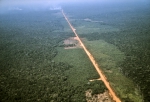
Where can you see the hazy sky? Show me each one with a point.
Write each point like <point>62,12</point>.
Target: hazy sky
<point>31,4</point>
<point>8,4</point>
<point>48,2</point>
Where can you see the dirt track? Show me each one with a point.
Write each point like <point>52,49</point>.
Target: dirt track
<point>102,76</point>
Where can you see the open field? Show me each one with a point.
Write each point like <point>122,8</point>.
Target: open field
<point>91,27</point>
<point>109,58</point>
<point>82,70</point>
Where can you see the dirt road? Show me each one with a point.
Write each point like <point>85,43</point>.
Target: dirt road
<point>102,76</point>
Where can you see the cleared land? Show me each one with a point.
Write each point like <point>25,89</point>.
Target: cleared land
<point>71,43</point>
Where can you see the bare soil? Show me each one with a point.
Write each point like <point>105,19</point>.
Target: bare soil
<point>71,43</point>
<point>102,97</point>
<point>89,20</point>
<point>95,79</point>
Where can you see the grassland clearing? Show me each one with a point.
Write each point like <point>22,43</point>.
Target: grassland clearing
<point>109,57</point>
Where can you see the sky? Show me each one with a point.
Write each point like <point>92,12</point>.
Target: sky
<point>50,2</point>
<point>7,5</point>
<point>44,4</point>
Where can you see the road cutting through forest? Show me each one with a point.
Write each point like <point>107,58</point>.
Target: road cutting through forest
<point>102,76</point>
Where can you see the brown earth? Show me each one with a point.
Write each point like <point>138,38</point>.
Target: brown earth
<point>71,43</point>
<point>103,97</point>
<point>95,79</point>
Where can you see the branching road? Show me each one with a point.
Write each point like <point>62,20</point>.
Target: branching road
<point>102,76</point>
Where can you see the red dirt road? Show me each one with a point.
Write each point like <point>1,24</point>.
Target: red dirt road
<point>102,76</point>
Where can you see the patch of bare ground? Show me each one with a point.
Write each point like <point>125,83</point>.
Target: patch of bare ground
<point>109,71</point>
<point>102,97</point>
<point>71,43</point>
<point>95,79</point>
<point>89,20</point>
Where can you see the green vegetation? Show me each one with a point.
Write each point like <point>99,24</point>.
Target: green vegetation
<point>97,87</point>
<point>120,44</point>
<point>82,70</point>
<point>34,64</point>
<point>109,58</point>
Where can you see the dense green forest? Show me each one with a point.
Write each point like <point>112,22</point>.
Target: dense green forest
<point>132,36</point>
<point>29,71</point>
